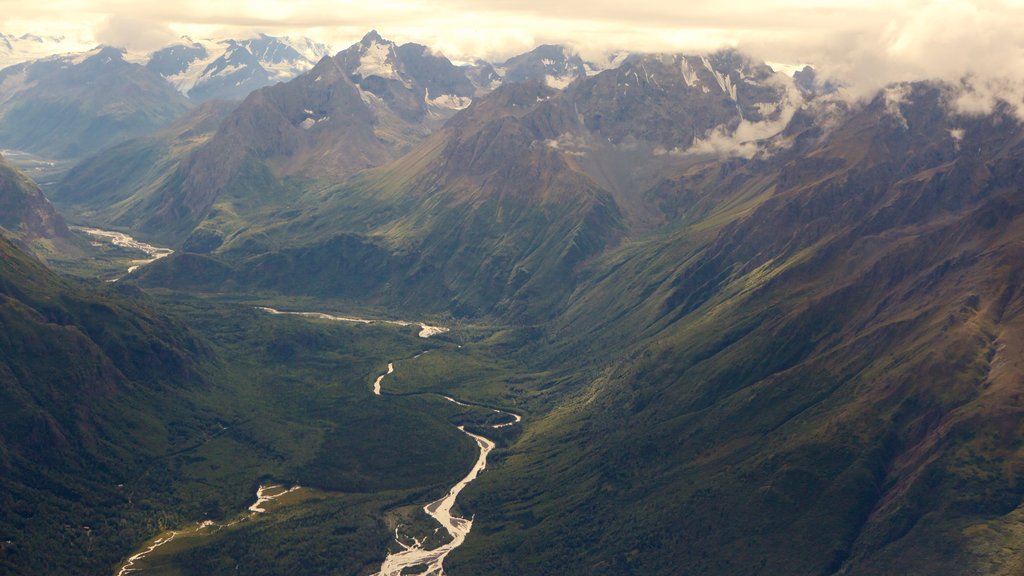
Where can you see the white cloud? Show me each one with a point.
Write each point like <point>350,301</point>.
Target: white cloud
<point>134,34</point>
<point>749,138</point>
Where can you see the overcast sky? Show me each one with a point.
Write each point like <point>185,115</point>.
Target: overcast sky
<point>868,43</point>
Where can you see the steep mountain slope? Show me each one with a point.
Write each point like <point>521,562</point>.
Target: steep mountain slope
<point>26,214</point>
<point>825,384</point>
<point>116,187</point>
<point>70,107</point>
<point>78,370</point>
<point>231,69</point>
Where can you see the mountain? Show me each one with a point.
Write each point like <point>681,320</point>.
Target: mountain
<point>483,75</point>
<point>555,65</point>
<point>116,186</point>
<point>362,108</point>
<point>15,49</point>
<point>231,69</point>
<point>534,182</point>
<point>412,79</point>
<point>25,212</point>
<point>71,106</point>
<point>549,63</point>
<point>83,375</point>
<point>823,375</point>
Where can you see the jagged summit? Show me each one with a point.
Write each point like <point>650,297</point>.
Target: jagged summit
<point>553,64</point>
<point>373,37</point>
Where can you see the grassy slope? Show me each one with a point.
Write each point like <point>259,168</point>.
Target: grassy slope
<point>833,391</point>
<point>116,187</point>
<point>119,423</point>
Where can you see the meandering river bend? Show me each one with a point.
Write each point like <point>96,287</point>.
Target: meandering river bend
<point>432,560</point>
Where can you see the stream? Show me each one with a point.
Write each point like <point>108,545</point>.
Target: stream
<point>264,495</point>
<point>426,331</point>
<point>416,555</point>
<point>411,555</point>
<point>123,240</point>
<point>432,560</point>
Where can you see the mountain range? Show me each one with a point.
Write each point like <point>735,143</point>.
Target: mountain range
<point>69,105</point>
<point>536,180</point>
<point>751,327</point>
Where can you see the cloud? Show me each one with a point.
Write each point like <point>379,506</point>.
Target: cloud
<point>977,44</point>
<point>133,33</point>
<point>750,138</point>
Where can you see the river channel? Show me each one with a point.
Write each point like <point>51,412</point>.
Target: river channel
<point>413,553</point>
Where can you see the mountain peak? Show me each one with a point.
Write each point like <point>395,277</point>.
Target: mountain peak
<point>372,37</point>
<point>110,51</point>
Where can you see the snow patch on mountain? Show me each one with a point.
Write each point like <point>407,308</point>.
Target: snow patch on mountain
<point>376,61</point>
<point>263,60</point>
<point>559,82</point>
<point>448,101</point>
<point>894,97</point>
<point>724,81</point>
<point>784,68</point>
<point>15,49</point>
<point>689,75</point>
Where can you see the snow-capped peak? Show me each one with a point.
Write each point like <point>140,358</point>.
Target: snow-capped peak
<point>207,68</point>
<point>378,60</point>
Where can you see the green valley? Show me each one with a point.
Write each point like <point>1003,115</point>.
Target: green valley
<point>669,314</point>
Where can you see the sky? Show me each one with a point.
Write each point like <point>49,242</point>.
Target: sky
<point>867,44</point>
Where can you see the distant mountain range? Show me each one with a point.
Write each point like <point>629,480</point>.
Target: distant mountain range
<point>60,101</point>
<point>15,49</point>
<point>231,69</point>
<point>75,105</point>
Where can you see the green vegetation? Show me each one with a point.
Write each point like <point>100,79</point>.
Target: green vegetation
<point>801,363</point>
<point>168,428</point>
